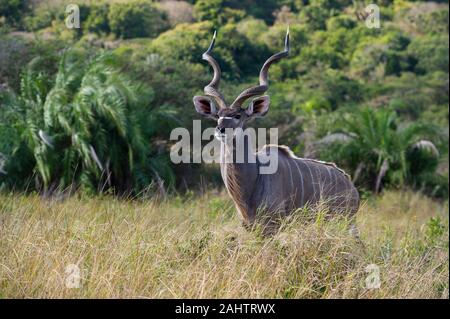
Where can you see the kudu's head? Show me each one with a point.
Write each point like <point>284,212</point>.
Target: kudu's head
<point>213,104</point>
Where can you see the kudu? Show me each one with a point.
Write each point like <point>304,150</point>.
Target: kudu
<point>297,182</point>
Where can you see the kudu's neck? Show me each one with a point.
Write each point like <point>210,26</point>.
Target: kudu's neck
<point>239,170</point>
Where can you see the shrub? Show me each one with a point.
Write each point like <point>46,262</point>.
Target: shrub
<point>136,19</point>
<point>314,16</point>
<point>13,10</point>
<point>12,50</point>
<point>97,21</point>
<point>431,53</point>
<point>190,42</point>
<point>252,28</point>
<point>89,127</point>
<point>41,18</point>
<point>217,12</point>
<point>342,21</point>
<point>383,149</point>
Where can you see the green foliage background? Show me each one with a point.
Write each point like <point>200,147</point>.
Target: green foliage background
<point>91,109</point>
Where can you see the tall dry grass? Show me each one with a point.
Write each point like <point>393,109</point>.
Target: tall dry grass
<point>196,248</point>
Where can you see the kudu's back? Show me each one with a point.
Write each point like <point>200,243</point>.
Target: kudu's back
<point>300,181</point>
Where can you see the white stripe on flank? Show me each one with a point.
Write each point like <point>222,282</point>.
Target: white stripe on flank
<point>312,180</point>
<point>335,181</point>
<point>331,178</point>
<point>301,179</point>
<point>319,181</point>
<point>290,173</point>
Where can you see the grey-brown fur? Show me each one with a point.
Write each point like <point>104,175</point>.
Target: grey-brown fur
<point>297,182</point>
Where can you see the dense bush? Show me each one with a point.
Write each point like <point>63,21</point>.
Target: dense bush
<point>336,66</point>
<point>236,55</point>
<point>379,151</point>
<point>13,10</point>
<point>136,19</point>
<point>217,12</point>
<point>87,127</point>
<point>41,18</point>
<point>17,51</point>
<point>430,53</point>
<point>97,21</point>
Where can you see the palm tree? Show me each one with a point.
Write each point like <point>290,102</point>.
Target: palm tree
<point>90,127</point>
<point>376,148</point>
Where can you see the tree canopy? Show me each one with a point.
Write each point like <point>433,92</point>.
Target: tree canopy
<point>92,108</point>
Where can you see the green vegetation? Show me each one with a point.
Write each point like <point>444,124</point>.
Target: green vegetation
<point>91,109</point>
<point>85,175</point>
<point>135,19</point>
<point>379,151</point>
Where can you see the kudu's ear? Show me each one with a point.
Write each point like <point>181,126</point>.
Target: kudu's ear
<point>258,107</point>
<point>205,106</point>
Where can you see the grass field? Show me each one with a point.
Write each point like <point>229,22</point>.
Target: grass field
<point>196,248</point>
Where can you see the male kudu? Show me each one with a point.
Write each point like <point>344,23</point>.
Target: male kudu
<point>296,183</point>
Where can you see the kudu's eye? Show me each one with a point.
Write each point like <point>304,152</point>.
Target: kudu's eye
<point>238,116</point>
